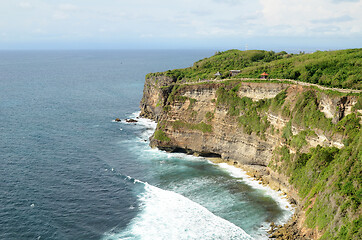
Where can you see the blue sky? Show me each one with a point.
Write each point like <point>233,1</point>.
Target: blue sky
<point>181,24</point>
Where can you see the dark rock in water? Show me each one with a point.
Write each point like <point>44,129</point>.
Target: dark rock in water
<point>131,120</point>
<point>117,120</point>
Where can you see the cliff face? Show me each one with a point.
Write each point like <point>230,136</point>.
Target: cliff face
<point>226,139</point>
<point>155,93</point>
<point>197,104</point>
<point>248,124</point>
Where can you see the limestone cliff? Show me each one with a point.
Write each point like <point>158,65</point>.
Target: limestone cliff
<point>247,123</point>
<point>197,104</point>
<point>155,93</point>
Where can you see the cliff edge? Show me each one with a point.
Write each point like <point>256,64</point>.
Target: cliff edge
<point>298,139</point>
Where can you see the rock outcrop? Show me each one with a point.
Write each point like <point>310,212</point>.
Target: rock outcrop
<point>155,93</point>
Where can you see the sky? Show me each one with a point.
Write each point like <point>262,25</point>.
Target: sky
<point>181,24</point>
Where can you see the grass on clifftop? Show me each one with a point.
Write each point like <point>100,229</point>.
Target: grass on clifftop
<point>340,68</point>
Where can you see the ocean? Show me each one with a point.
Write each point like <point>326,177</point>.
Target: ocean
<point>69,171</point>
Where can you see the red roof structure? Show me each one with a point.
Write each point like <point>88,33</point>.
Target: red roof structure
<point>264,75</point>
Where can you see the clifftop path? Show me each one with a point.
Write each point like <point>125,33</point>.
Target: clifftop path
<point>341,90</point>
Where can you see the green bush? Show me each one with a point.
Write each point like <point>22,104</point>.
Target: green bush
<point>209,116</point>
<point>299,140</point>
<point>161,136</point>
<point>203,127</point>
<point>278,100</point>
<point>306,113</point>
<point>358,105</point>
<point>287,131</point>
<point>192,102</point>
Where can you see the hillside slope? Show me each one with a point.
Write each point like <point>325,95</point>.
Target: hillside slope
<point>341,69</point>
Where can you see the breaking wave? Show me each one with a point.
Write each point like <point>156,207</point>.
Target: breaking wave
<point>168,215</point>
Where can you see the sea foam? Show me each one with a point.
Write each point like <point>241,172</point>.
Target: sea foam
<point>277,196</point>
<point>168,215</point>
<point>146,123</point>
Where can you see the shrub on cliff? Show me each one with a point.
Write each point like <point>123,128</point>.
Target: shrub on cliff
<point>161,136</point>
<point>203,127</point>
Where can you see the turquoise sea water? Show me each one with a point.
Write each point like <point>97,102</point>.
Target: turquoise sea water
<point>69,172</point>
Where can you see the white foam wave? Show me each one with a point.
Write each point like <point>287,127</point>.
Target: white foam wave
<point>168,215</point>
<point>277,196</point>
<point>135,114</point>
<point>148,124</point>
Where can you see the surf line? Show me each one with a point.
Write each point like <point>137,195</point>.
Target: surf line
<point>167,215</point>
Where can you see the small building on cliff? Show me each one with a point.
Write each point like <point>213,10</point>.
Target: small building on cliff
<point>234,72</point>
<point>218,74</point>
<point>264,75</point>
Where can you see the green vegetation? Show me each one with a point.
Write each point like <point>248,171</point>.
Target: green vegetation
<point>248,112</point>
<point>340,68</point>
<point>278,101</point>
<point>223,62</point>
<point>161,136</point>
<point>192,102</point>
<point>330,176</point>
<point>209,116</point>
<point>175,96</point>
<point>359,103</point>
<point>306,112</point>
<point>203,127</point>
<point>299,140</point>
<point>230,99</point>
<point>172,96</point>
<point>333,178</point>
<point>252,122</point>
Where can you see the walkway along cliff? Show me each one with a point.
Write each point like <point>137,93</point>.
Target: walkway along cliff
<point>299,139</point>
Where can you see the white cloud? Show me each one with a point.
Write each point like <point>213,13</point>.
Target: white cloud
<point>24,5</point>
<point>147,36</point>
<point>304,17</point>
<point>67,7</point>
<point>60,15</point>
<point>202,20</point>
<point>63,11</point>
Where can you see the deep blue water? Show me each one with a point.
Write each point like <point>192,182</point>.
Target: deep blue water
<point>69,172</point>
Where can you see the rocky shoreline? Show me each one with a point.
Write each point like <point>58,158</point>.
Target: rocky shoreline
<point>290,230</point>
